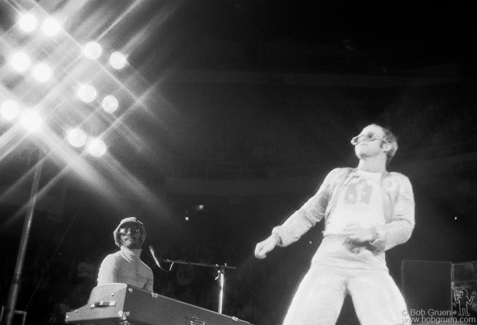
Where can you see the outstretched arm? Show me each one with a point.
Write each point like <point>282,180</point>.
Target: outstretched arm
<point>304,218</point>
<point>266,246</point>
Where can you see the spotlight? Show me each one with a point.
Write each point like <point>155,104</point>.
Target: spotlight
<point>51,27</point>
<point>117,60</point>
<point>10,109</point>
<point>77,137</point>
<point>97,148</point>
<point>87,93</point>
<point>28,23</point>
<point>92,50</point>
<point>20,62</point>
<point>42,72</point>
<point>31,121</point>
<point>110,104</point>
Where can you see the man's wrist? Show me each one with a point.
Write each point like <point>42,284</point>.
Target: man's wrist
<point>277,239</point>
<point>374,234</point>
<point>379,240</point>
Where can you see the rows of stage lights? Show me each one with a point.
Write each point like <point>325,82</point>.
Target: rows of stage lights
<point>21,63</point>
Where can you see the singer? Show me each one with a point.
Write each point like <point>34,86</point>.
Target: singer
<point>126,266</point>
<point>367,211</point>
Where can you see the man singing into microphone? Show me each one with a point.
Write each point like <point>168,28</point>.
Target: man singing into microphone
<point>125,266</point>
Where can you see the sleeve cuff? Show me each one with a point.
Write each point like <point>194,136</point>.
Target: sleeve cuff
<point>276,235</point>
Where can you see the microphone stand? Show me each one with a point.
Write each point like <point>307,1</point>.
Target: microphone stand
<point>220,275</point>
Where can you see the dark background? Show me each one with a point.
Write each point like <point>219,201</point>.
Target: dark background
<point>242,107</point>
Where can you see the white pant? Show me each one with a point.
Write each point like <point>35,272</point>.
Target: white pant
<point>337,270</point>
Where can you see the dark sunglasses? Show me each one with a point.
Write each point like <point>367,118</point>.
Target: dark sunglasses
<point>365,137</point>
<point>133,229</point>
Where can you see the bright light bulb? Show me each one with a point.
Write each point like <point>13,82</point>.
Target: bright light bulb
<point>20,62</point>
<point>97,148</point>
<point>110,104</point>
<point>51,27</point>
<point>77,137</point>
<point>92,50</point>
<point>117,60</point>
<point>42,72</point>
<point>10,109</point>
<point>87,93</point>
<point>31,121</point>
<point>28,23</point>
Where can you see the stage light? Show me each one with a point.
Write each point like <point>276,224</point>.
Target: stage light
<point>42,72</point>
<point>20,62</point>
<point>97,148</point>
<point>77,137</point>
<point>117,60</point>
<point>87,93</point>
<point>31,121</point>
<point>51,27</point>
<point>110,104</point>
<point>92,50</point>
<point>10,109</point>
<point>28,23</point>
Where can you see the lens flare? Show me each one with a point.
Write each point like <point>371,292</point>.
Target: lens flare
<point>42,72</point>
<point>51,27</point>
<point>10,109</point>
<point>92,50</point>
<point>110,104</point>
<point>77,137</point>
<point>31,121</point>
<point>117,60</point>
<point>87,93</point>
<point>28,23</point>
<point>20,62</point>
<point>97,148</point>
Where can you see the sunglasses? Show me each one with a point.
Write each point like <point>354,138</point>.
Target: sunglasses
<point>365,137</point>
<point>133,229</point>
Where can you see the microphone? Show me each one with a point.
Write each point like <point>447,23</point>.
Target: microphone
<point>153,253</point>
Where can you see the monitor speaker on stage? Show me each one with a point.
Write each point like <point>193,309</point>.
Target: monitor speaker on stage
<point>427,287</point>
